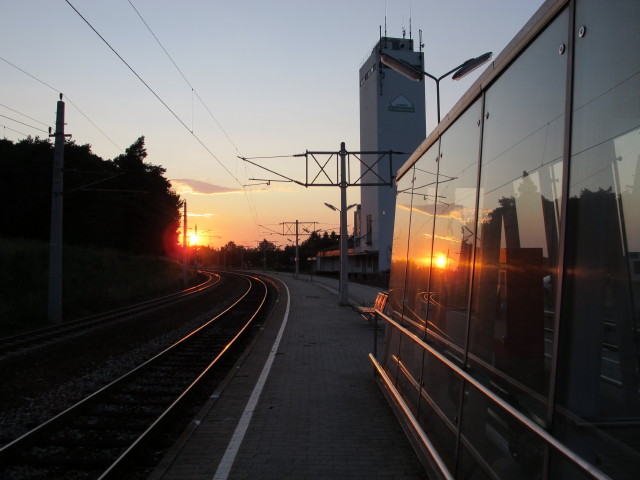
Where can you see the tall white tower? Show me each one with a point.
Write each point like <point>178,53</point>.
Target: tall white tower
<point>392,117</point>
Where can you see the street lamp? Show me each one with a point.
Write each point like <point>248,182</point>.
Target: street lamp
<point>335,209</point>
<point>344,261</point>
<point>412,73</point>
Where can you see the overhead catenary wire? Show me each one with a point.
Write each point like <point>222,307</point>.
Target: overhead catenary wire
<point>66,98</point>
<point>250,202</point>
<point>29,75</point>
<point>152,91</point>
<point>24,115</point>
<point>23,123</point>
<point>9,128</point>
<point>193,90</point>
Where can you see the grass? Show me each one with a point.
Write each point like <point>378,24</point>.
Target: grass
<point>94,281</point>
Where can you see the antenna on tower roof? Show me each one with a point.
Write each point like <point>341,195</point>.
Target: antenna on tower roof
<point>420,39</point>
<point>404,31</point>
<point>385,18</point>
<point>410,37</point>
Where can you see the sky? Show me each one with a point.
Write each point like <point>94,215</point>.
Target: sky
<point>208,81</point>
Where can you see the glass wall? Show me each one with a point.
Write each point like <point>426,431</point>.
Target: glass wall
<point>511,331</point>
<point>421,242</point>
<point>395,300</point>
<point>455,233</point>
<point>516,261</point>
<point>598,384</point>
<point>418,272</point>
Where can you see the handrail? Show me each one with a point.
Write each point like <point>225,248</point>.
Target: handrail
<point>414,422</point>
<point>524,420</point>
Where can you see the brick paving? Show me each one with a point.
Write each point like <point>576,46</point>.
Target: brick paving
<point>320,415</point>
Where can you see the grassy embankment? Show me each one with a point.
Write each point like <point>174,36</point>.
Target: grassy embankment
<point>94,281</point>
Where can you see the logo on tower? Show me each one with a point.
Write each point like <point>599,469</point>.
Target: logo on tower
<point>401,104</point>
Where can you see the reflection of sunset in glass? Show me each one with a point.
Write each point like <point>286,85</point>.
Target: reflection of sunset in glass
<point>441,261</point>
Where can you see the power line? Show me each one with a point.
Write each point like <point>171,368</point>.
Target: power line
<point>28,74</point>
<point>250,202</point>
<point>66,97</point>
<point>9,128</point>
<point>159,43</point>
<point>193,90</point>
<point>152,91</point>
<point>24,115</point>
<point>96,126</point>
<point>128,66</point>
<point>25,124</point>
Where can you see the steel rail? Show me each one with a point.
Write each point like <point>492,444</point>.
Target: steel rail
<point>114,470</point>
<point>31,438</point>
<point>52,332</point>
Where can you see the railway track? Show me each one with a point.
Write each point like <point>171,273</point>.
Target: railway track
<point>22,342</point>
<point>100,436</point>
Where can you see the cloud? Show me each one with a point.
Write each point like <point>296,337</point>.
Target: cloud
<point>198,187</point>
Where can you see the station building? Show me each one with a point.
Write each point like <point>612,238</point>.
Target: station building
<point>512,342</point>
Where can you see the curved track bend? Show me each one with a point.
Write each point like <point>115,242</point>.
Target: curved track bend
<point>101,434</point>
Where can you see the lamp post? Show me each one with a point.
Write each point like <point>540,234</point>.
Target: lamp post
<point>412,73</point>
<point>344,260</point>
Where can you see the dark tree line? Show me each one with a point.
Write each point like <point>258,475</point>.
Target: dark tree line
<point>125,203</point>
<point>277,257</point>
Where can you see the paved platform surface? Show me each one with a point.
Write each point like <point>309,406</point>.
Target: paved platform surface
<point>303,404</point>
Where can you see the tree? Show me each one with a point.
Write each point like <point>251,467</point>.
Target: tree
<point>150,209</point>
<point>267,246</point>
<point>125,204</point>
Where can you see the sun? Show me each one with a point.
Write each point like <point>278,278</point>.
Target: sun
<point>194,239</point>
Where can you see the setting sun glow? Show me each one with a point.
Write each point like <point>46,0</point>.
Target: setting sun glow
<point>194,239</point>
<point>441,261</point>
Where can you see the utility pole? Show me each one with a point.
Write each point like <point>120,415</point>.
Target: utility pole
<point>344,259</point>
<point>185,255</point>
<point>297,259</point>
<point>55,239</point>
<point>286,230</point>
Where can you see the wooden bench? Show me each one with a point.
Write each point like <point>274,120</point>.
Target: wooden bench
<point>369,313</point>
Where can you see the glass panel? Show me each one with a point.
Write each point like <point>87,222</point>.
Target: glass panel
<point>409,374</point>
<point>494,444</point>
<point>422,215</point>
<point>511,331</point>
<point>561,468</point>
<point>398,267</point>
<point>400,244</point>
<point>598,383</point>
<point>439,407</point>
<point>415,298</point>
<point>454,233</point>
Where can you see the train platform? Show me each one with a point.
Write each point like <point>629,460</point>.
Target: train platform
<point>302,404</point>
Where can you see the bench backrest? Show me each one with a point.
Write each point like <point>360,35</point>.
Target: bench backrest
<point>381,301</point>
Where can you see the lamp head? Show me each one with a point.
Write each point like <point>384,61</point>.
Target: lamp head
<point>401,67</point>
<point>470,65</point>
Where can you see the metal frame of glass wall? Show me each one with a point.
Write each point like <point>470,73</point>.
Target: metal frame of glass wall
<point>513,319</point>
